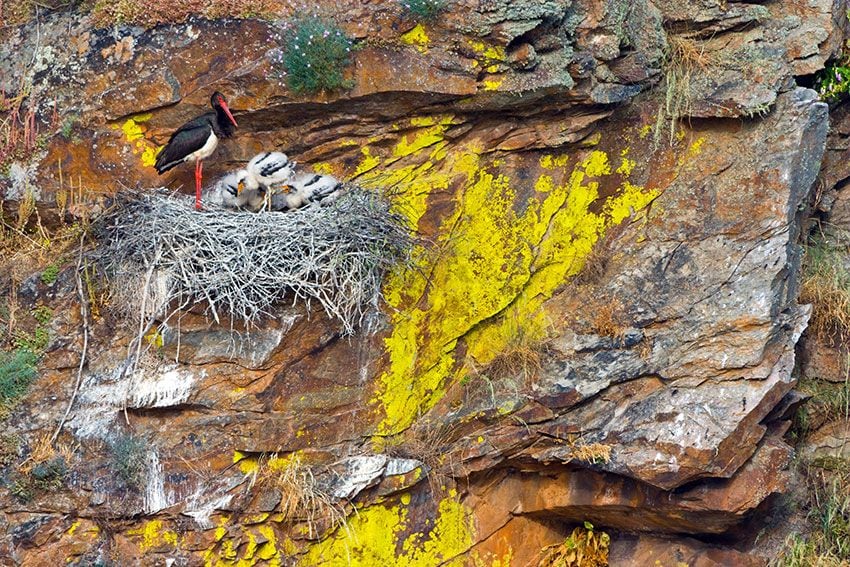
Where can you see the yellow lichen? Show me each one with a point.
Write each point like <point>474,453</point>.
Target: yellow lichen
<point>376,536</point>
<point>626,165</point>
<point>548,161</point>
<point>423,137</point>
<point>132,130</point>
<point>493,84</point>
<point>417,38</point>
<point>696,147</point>
<point>247,463</point>
<point>149,155</point>
<point>152,535</point>
<point>489,257</point>
<point>226,553</point>
<point>490,53</point>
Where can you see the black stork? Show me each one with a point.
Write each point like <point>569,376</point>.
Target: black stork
<point>197,139</point>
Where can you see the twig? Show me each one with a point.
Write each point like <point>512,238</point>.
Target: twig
<point>84,312</point>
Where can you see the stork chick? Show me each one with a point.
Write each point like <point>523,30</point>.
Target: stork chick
<point>229,191</point>
<point>305,189</point>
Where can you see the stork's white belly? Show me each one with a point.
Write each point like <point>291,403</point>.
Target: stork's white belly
<point>207,149</point>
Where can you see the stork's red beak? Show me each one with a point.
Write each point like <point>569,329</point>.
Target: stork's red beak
<point>227,112</point>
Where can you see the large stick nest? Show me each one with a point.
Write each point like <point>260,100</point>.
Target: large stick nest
<point>161,252</point>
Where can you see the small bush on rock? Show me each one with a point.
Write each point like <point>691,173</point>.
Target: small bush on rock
<point>423,9</point>
<point>833,82</point>
<point>128,457</point>
<point>315,57</point>
<point>17,371</point>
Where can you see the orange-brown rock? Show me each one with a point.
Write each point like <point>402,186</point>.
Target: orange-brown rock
<point>600,324</point>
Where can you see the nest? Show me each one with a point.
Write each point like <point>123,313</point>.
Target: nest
<point>159,252</point>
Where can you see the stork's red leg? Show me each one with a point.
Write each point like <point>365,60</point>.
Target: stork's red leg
<point>198,168</point>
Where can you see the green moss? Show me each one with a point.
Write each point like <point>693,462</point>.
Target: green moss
<point>316,56</point>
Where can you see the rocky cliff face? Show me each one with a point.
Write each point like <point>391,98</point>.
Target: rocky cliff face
<point>601,324</point>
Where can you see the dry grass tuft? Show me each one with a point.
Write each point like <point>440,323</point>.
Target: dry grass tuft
<point>45,450</point>
<point>584,547</point>
<point>595,453</point>
<point>826,285</point>
<point>828,544</point>
<point>164,253</point>
<point>684,58</point>
<point>610,319</point>
<point>521,359</point>
<point>154,12</point>
<point>302,498</point>
<point>428,442</point>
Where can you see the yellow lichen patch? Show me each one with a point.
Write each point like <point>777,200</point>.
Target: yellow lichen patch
<point>592,141</point>
<point>696,147</point>
<point>493,84</point>
<point>490,53</point>
<point>483,245</point>
<point>626,165</point>
<point>423,137</point>
<point>368,163</point>
<point>153,535</point>
<point>644,131</point>
<point>73,527</point>
<point>149,155</point>
<point>374,537</point>
<point>131,128</point>
<point>268,551</point>
<point>411,185</point>
<point>245,548</point>
<point>134,132</point>
<point>544,184</point>
<point>489,257</point>
<point>548,161</point>
<point>323,168</point>
<point>247,463</point>
<point>417,38</point>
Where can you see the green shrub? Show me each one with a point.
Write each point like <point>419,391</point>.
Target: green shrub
<point>423,9</point>
<point>17,371</point>
<point>128,455</point>
<point>315,57</point>
<point>833,82</point>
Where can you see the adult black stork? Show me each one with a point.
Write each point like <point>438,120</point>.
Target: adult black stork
<point>197,139</point>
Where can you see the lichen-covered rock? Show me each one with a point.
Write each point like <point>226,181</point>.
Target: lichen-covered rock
<point>598,325</point>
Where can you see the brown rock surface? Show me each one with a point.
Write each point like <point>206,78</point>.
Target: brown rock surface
<point>602,322</point>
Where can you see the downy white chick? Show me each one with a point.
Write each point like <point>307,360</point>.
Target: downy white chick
<point>305,189</point>
<point>269,169</point>
<point>228,192</point>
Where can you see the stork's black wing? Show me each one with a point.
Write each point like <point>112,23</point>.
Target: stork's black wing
<point>188,139</point>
